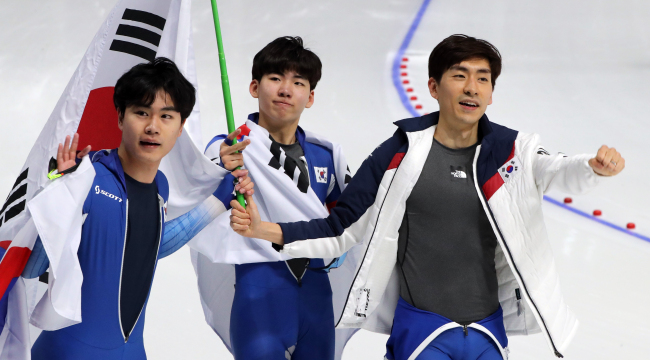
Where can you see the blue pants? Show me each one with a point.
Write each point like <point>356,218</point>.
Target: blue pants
<point>59,345</point>
<point>273,318</point>
<point>413,327</point>
<point>454,345</point>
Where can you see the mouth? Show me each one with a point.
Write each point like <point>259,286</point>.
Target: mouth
<point>149,144</point>
<point>282,103</point>
<point>469,104</point>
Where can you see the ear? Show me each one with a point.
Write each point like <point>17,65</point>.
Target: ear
<point>180,130</point>
<point>311,100</point>
<point>120,121</point>
<point>490,103</point>
<point>253,88</point>
<point>433,88</point>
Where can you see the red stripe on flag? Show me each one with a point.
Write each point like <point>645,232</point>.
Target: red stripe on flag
<point>397,159</point>
<point>98,125</point>
<point>331,205</point>
<point>12,266</point>
<point>5,244</point>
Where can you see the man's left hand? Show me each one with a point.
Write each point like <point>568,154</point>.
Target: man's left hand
<point>608,162</point>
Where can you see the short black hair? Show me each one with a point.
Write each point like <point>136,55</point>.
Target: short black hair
<point>287,53</point>
<point>458,48</point>
<point>140,85</point>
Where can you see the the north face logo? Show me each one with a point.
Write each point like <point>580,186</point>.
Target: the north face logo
<point>459,174</point>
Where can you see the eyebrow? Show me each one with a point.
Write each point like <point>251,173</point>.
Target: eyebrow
<point>462,68</point>
<point>168,108</point>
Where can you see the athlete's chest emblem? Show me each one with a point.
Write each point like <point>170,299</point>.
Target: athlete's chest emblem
<point>106,193</point>
<point>321,174</point>
<point>510,169</point>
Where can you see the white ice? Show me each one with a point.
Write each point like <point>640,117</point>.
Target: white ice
<point>576,72</point>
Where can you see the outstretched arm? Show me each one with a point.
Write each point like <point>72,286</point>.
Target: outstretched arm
<point>183,228</point>
<point>575,174</point>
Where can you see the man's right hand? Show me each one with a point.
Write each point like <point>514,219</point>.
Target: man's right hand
<point>247,222</point>
<point>231,155</point>
<point>67,153</point>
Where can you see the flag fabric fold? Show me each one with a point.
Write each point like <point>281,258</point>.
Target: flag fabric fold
<point>217,248</point>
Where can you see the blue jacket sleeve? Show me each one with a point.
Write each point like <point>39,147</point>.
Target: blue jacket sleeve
<point>357,197</point>
<point>182,229</point>
<point>38,261</point>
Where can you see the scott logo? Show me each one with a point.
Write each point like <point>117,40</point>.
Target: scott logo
<point>105,193</point>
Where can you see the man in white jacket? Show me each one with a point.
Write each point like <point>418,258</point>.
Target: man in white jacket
<point>449,210</point>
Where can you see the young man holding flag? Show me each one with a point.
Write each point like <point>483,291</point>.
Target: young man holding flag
<point>124,231</point>
<point>281,307</point>
<point>449,211</point>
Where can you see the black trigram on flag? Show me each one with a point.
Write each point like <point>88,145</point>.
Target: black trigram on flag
<point>139,33</point>
<point>290,166</point>
<point>13,205</point>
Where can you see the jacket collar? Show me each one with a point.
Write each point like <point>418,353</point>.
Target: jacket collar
<point>111,161</point>
<point>300,133</point>
<point>426,121</point>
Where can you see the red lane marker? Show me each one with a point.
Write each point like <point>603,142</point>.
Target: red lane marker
<point>409,90</point>
<point>597,212</point>
<point>404,74</point>
<point>568,200</point>
<point>405,82</point>
<point>405,59</point>
<point>631,226</point>
<point>402,66</point>
<point>418,107</point>
<point>413,98</point>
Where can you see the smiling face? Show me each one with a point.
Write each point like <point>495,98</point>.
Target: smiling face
<point>464,92</point>
<point>282,98</point>
<point>149,132</point>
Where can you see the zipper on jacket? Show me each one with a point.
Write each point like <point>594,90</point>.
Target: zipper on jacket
<point>160,206</point>
<point>465,329</point>
<point>506,250</point>
<point>299,279</point>
<point>119,293</point>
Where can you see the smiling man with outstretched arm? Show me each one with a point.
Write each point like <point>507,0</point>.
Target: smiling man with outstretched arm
<point>449,211</point>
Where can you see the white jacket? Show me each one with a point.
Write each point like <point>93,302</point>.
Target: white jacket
<point>512,171</point>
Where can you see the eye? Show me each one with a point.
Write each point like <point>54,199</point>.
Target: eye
<point>274,78</point>
<point>140,113</point>
<point>299,83</point>
<point>484,79</point>
<point>459,76</point>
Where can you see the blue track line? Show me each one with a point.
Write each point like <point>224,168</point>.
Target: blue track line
<point>596,219</point>
<point>400,54</point>
<point>407,104</point>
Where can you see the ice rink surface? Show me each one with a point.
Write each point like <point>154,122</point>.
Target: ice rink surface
<point>576,72</point>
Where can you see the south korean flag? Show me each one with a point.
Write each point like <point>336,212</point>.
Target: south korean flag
<point>510,169</point>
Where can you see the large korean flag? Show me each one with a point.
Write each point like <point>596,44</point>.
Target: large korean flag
<point>135,31</point>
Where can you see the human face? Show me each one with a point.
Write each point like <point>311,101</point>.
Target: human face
<point>282,97</point>
<point>150,132</point>
<point>464,92</point>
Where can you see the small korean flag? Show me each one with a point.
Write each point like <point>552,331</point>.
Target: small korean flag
<point>510,169</point>
<point>321,174</point>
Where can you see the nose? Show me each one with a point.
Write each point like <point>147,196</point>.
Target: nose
<point>153,127</point>
<point>285,89</point>
<point>471,87</point>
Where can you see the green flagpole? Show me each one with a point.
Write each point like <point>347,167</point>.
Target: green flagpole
<point>225,84</point>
